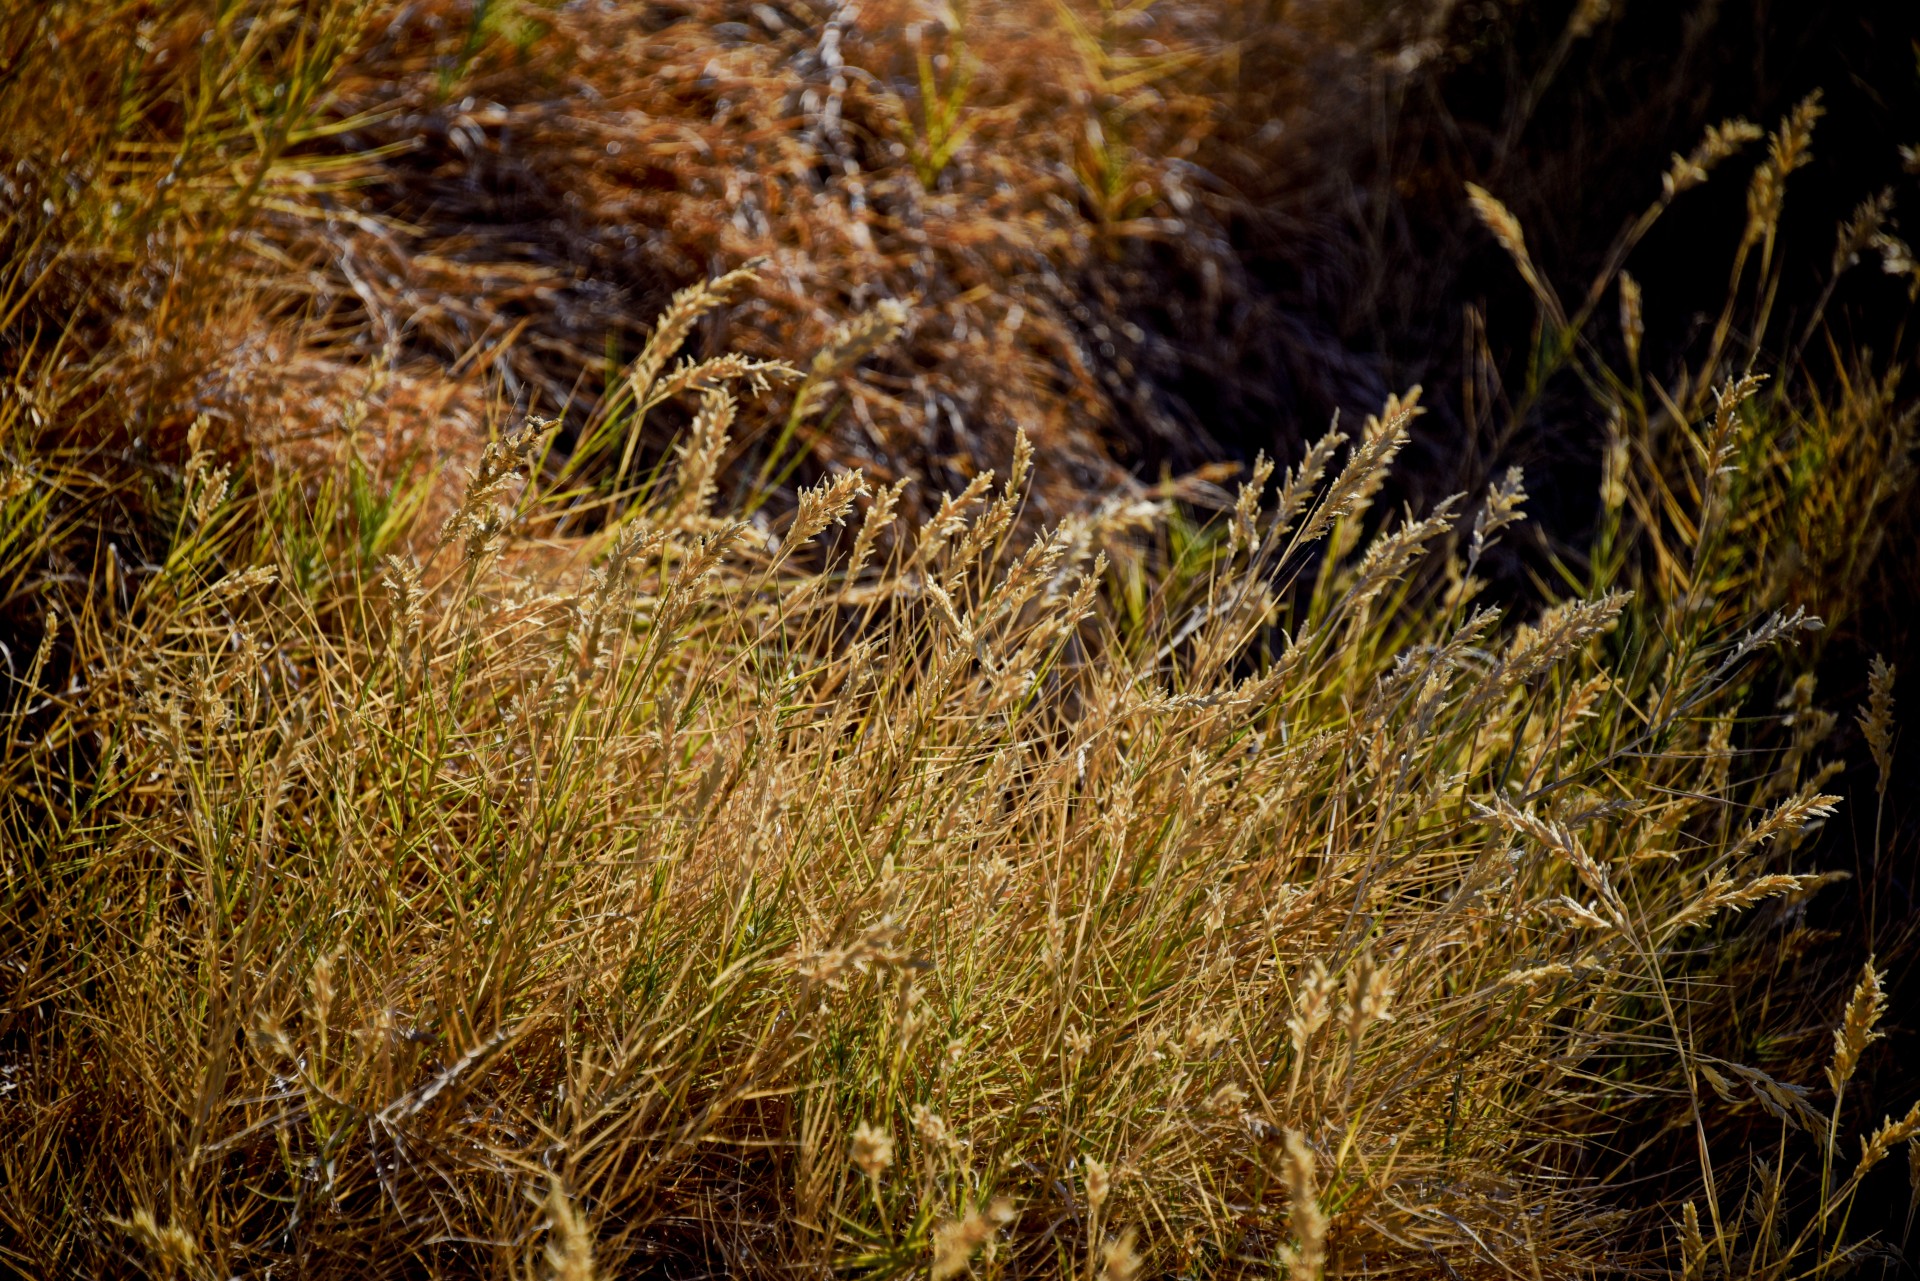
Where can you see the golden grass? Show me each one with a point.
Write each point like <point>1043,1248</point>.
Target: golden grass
<point>791,918</point>
<point>602,863</point>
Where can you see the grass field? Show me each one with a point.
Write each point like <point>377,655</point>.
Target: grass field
<point>597,682</point>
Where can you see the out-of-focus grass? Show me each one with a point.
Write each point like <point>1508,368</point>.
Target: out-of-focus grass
<point>548,872</point>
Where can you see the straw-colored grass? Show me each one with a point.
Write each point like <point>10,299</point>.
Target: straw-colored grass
<point>556,864</point>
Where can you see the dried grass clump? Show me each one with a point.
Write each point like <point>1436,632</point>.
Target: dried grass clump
<point>1019,181</point>
<point>506,195</point>
<point>668,893</point>
<point>438,839</point>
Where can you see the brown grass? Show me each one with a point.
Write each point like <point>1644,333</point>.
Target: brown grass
<point>775,795</point>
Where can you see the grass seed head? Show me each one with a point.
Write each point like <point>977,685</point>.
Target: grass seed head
<point>1693,1246</point>
<point>1859,1027</point>
<point>1721,142</point>
<point>1876,719</point>
<point>872,1149</point>
<point>1633,326</point>
<point>569,1249</point>
<point>1119,1259</point>
<point>1368,996</point>
<point>171,1247</point>
<point>1312,1005</point>
<point>957,1241</point>
<point>1098,1184</point>
<point>1307,1257</point>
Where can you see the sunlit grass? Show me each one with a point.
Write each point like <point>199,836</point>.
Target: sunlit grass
<point>546,860</point>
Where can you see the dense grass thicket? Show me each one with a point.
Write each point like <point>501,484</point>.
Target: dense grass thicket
<point>497,784</point>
